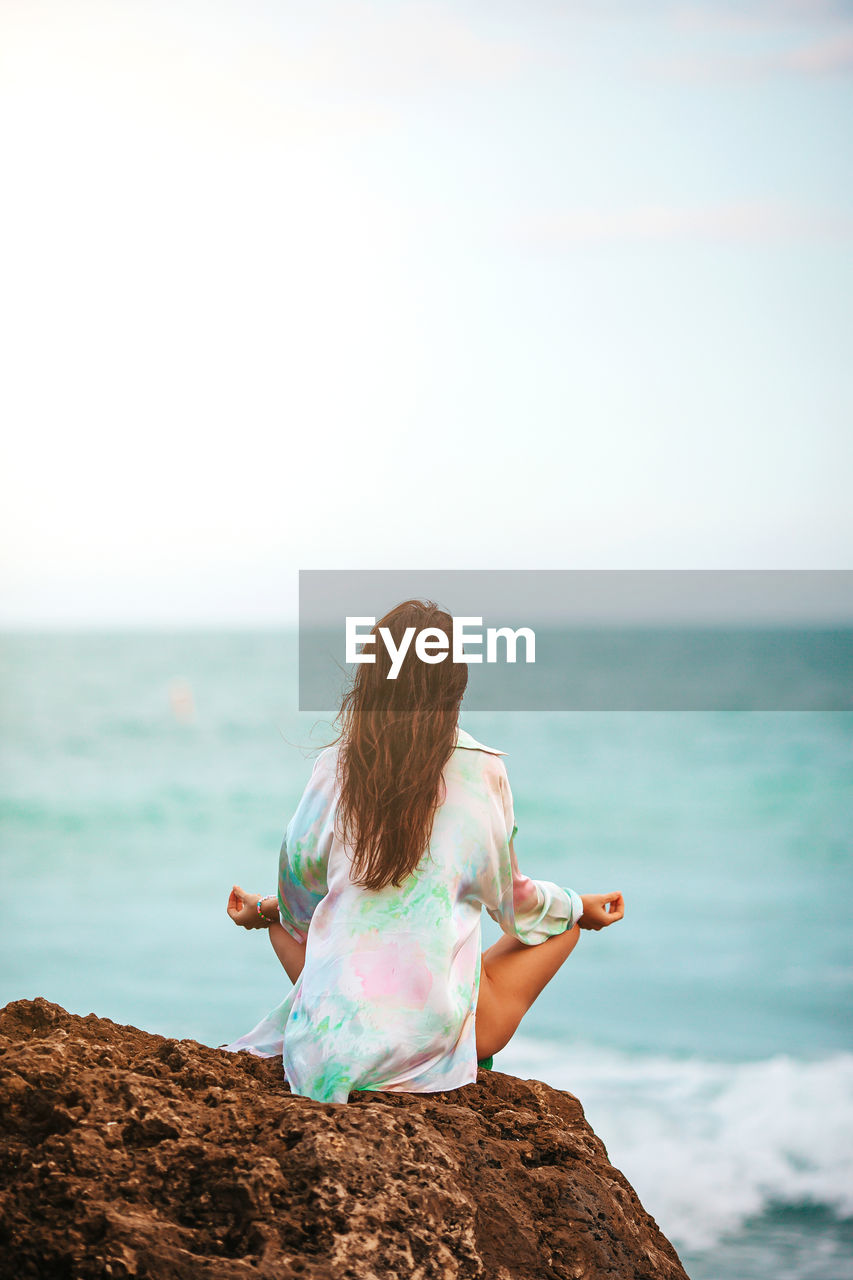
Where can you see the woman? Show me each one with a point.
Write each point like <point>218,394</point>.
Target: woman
<point>404,832</point>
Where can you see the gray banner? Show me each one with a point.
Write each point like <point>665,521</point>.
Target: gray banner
<point>607,640</point>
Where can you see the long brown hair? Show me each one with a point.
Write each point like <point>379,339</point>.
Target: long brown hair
<point>397,735</point>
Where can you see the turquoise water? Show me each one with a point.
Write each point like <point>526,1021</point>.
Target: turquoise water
<point>708,1035</point>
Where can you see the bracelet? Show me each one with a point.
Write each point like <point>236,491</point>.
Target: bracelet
<point>260,913</point>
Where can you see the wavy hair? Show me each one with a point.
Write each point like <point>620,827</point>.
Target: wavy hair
<point>397,736</point>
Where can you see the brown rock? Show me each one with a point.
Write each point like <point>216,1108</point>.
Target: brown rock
<point>125,1154</point>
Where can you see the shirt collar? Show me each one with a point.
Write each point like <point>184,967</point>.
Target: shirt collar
<point>464,739</point>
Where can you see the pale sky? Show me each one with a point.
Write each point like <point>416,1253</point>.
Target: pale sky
<point>390,285</point>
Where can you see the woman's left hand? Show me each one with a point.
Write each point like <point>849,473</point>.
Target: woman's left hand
<point>243,908</point>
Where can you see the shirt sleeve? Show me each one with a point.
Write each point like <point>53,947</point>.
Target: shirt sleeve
<point>304,857</point>
<point>530,910</point>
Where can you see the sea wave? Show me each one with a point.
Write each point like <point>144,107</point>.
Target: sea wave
<point>709,1145</point>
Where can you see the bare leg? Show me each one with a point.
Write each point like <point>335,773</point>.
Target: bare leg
<point>511,978</point>
<point>290,952</point>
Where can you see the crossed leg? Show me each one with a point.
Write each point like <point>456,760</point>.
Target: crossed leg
<point>512,975</point>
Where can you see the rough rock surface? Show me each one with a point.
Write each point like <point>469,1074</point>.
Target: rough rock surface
<point>128,1154</point>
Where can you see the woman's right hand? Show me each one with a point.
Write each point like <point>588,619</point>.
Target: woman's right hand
<point>596,914</point>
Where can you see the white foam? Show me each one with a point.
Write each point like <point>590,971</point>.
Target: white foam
<point>706,1144</point>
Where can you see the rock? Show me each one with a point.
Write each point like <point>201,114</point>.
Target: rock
<point>125,1154</point>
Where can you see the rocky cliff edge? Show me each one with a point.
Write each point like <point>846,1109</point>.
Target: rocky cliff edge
<point>128,1154</point>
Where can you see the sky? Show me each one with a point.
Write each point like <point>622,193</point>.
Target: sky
<point>415,285</point>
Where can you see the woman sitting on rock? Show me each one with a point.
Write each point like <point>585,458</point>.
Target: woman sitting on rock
<point>404,832</point>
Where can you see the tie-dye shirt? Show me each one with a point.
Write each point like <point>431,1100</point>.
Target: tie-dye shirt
<point>388,995</point>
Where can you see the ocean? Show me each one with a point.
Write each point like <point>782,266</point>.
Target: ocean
<point>708,1035</point>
